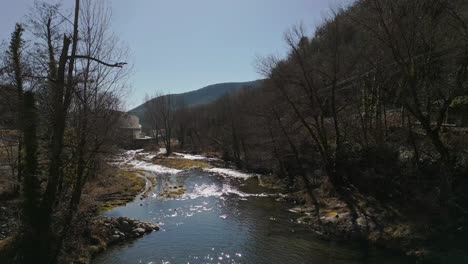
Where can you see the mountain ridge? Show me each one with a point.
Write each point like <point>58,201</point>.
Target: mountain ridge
<point>202,96</point>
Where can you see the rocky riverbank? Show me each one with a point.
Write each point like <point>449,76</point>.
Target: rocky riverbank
<point>101,233</point>
<point>387,226</point>
<point>352,216</point>
<point>107,231</point>
<point>360,218</point>
<point>114,187</point>
<point>91,232</point>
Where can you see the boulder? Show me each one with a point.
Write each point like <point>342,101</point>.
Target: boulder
<point>139,231</point>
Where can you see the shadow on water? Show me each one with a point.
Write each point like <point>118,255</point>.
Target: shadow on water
<point>227,220</point>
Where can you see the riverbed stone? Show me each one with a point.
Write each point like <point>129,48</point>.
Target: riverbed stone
<point>139,231</point>
<point>115,230</point>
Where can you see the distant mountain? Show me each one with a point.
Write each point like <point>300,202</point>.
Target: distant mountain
<point>203,95</point>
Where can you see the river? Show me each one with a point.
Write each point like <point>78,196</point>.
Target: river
<point>225,217</point>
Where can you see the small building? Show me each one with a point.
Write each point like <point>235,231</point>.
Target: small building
<point>130,132</point>
<point>129,126</point>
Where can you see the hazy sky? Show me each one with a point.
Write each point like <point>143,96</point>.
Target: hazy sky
<point>182,45</point>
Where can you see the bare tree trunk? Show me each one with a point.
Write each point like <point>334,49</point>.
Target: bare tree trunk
<point>307,183</point>
<point>55,152</point>
<point>62,96</point>
<point>31,183</point>
<point>278,157</point>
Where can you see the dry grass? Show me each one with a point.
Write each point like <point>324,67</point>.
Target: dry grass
<point>115,188</point>
<point>180,164</point>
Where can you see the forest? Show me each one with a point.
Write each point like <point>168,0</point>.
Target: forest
<point>373,104</point>
<point>371,110</point>
<point>378,90</point>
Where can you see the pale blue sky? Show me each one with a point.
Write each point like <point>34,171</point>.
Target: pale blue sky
<point>182,45</point>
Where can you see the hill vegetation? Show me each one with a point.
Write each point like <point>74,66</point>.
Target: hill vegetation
<point>201,96</point>
<point>365,109</point>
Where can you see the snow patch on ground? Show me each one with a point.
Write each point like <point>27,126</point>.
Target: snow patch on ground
<point>129,158</point>
<point>146,156</point>
<point>161,151</point>
<point>142,165</point>
<point>132,153</point>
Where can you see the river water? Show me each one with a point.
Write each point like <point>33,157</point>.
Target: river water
<point>225,217</point>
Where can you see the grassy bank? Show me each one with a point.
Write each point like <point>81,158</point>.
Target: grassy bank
<point>110,188</point>
<point>115,188</point>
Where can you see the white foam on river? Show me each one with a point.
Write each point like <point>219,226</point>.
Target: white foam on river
<point>213,190</point>
<point>193,157</point>
<point>144,163</point>
<point>230,173</point>
<point>129,158</point>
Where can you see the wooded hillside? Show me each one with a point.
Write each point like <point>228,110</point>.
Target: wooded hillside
<point>374,102</point>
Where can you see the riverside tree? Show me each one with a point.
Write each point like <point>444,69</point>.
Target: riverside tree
<point>361,106</point>
<point>77,77</point>
<point>160,111</point>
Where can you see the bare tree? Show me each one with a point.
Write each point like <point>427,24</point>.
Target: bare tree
<point>161,113</point>
<point>97,87</point>
<point>80,81</point>
<point>150,119</point>
<point>424,79</point>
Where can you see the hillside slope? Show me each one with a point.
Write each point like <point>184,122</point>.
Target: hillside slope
<point>203,95</point>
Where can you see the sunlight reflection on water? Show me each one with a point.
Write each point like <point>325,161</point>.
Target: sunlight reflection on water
<point>222,219</point>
